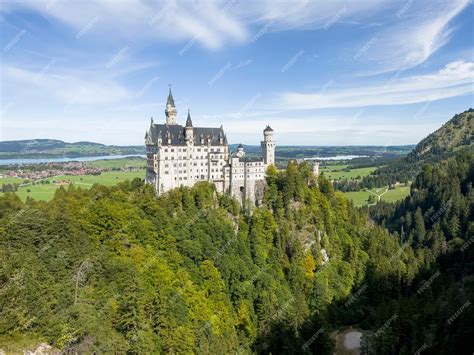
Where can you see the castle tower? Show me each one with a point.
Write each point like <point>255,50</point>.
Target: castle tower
<point>189,130</point>
<point>268,146</point>
<point>240,151</point>
<point>170,110</point>
<point>315,169</point>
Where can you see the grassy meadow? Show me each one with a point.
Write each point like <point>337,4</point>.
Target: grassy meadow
<point>337,172</point>
<point>132,162</point>
<point>45,192</point>
<point>360,198</point>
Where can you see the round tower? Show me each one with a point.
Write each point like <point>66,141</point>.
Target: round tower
<point>240,151</point>
<point>268,146</point>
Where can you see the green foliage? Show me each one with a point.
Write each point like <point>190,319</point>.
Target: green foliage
<point>116,269</point>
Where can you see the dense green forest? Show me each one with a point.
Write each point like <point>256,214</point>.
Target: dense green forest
<point>116,269</point>
<point>455,134</point>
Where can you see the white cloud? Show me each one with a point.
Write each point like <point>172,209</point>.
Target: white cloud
<point>68,88</point>
<point>404,40</point>
<point>455,79</point>
<point>212,23</point>
<point>420,31</point>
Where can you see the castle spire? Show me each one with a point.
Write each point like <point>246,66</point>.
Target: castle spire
<point>189,122</point>
<point>170,100</point>
<point>170,110</point>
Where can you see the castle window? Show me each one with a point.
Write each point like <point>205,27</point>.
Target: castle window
<point>172,149</point>
<point>166,150</point>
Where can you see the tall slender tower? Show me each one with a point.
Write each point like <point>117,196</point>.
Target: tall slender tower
<point>268,146</point>
<point>189,130</point>
<point>170,110</point>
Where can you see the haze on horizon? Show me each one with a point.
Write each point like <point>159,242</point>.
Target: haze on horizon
<point>320,73</point>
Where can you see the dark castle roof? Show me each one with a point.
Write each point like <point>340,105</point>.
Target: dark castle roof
<point>177,134</point>
<point>268,129</point>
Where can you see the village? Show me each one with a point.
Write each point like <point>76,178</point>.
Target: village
<point>46,170</point>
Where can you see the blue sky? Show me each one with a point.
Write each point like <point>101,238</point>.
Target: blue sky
<point>368,72</point>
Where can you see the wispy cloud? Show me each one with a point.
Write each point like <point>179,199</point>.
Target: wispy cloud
<point>455,79</point>
<point>68,88</point>
<point>407,38</point>
<point>418,31</point>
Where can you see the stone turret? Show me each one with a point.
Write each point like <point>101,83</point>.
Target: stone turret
<point>240,151</point>
<point>170,111</point>
<point>189,130</point>
<point>315,169</point>
<point>268,146</point>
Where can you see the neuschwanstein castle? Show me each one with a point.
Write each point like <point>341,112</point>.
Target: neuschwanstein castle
<point>181,156</point>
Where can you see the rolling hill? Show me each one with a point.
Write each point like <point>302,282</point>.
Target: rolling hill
<point>454,135</point>
<point>49,148</point>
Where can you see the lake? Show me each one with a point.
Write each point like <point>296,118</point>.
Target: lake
<point>105,157</point>
<point>338,157</point>
<point>62,160</point>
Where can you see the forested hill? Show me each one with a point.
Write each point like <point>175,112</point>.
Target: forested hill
<point>116,269</point>
<point>50,148</point>
<point>456,134</point>
<point>436,222</point>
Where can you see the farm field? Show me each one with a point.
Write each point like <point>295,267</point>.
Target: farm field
<point>135,162</point>
<point>336,172</point>
<point>11,180</point>
<point>360,197</point>
<point>45,192</point>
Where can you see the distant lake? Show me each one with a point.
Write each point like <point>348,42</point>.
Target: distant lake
<point>338,157</point>
<point>105,157</point>
<point>62,160</point>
